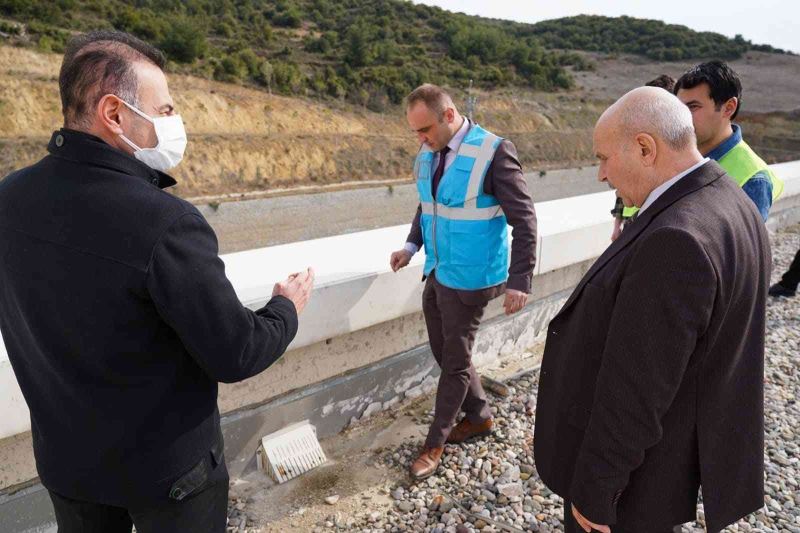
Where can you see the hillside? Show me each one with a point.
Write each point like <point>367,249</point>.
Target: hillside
<point>243,139</point>
<point>653,39</point>
<point>371,52</point>
<point>287,93</point>
<point>769,81</point>
<point>368,52</point>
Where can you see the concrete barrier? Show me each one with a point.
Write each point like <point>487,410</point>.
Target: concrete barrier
<point>362,338</point>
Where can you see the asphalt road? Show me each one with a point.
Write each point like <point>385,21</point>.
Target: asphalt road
<point>249,224</point>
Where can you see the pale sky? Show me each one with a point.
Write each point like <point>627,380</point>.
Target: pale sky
<point>775,22</point>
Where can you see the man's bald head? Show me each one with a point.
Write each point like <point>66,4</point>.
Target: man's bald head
<point>643,140</point>
<point>652,111</point>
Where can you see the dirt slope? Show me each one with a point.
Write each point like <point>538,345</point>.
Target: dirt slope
<point>243,139</point>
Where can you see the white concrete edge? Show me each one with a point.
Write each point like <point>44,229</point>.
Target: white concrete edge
<point>355,287</point>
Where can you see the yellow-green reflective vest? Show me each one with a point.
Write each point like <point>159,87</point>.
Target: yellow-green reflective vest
<point>741,163</point>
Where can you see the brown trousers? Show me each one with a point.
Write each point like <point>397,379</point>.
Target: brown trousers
<point>452,318</point>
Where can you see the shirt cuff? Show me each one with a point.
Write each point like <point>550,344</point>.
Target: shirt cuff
<point>519,282</point>
<point>411,248</point>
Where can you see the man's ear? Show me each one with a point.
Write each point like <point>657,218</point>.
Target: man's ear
<point>730,107</point>
<point>109,113</point>
<point>449,115</point>
<point>646,149</point>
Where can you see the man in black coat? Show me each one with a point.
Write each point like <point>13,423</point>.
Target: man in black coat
<point>114,306</point>
<point>652,378</point>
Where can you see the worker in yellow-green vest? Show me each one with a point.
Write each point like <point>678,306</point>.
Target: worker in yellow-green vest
<point>712,92</point>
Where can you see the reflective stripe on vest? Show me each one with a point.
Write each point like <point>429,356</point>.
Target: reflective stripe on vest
<point>464,230</point>
<point>483,156</point>
<point>462,213</point>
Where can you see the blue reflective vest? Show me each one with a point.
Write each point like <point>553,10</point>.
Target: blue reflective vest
<point>464,230</point>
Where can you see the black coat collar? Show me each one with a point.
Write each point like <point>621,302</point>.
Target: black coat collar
<point>82,147</point>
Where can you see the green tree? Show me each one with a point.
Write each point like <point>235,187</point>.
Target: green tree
<point>251,61</point>
<point>290,18</point>
<point>184,41</point>
<point>357,48</point>
<point>231,69</point>
<point>288,78</point>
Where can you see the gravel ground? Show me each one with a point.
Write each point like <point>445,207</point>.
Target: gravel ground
<point>491,484</point>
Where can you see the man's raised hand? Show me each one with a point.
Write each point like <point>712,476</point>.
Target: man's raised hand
<point>297,288</point>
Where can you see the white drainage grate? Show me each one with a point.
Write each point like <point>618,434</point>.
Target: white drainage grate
<point>289,452</point>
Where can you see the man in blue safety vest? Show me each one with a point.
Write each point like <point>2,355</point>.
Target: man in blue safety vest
<point>471,187</point>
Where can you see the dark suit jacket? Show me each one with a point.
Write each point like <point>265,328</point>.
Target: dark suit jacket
<point>652,378</point>
<point>504,180</point>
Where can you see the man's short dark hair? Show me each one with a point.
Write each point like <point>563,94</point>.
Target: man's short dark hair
<point>432,95</point>
<point>99,63</point>
<point>664,81</point>
<point>721,79</point>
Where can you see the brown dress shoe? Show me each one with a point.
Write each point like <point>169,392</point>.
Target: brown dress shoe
<point>426,463</point>
<point>466,430</point>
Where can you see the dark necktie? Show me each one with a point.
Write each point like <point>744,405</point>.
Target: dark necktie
<point>437,175</point>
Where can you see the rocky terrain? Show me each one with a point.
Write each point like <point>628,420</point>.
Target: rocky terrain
<point>491,484</point>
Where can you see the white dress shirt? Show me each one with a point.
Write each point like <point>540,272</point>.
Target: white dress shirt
<point>454,145</point>
<point>661,189</point>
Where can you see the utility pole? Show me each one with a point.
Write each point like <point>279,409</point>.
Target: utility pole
<point>472,101</point>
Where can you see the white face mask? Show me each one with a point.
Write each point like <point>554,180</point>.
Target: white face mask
<point>171,137</point>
